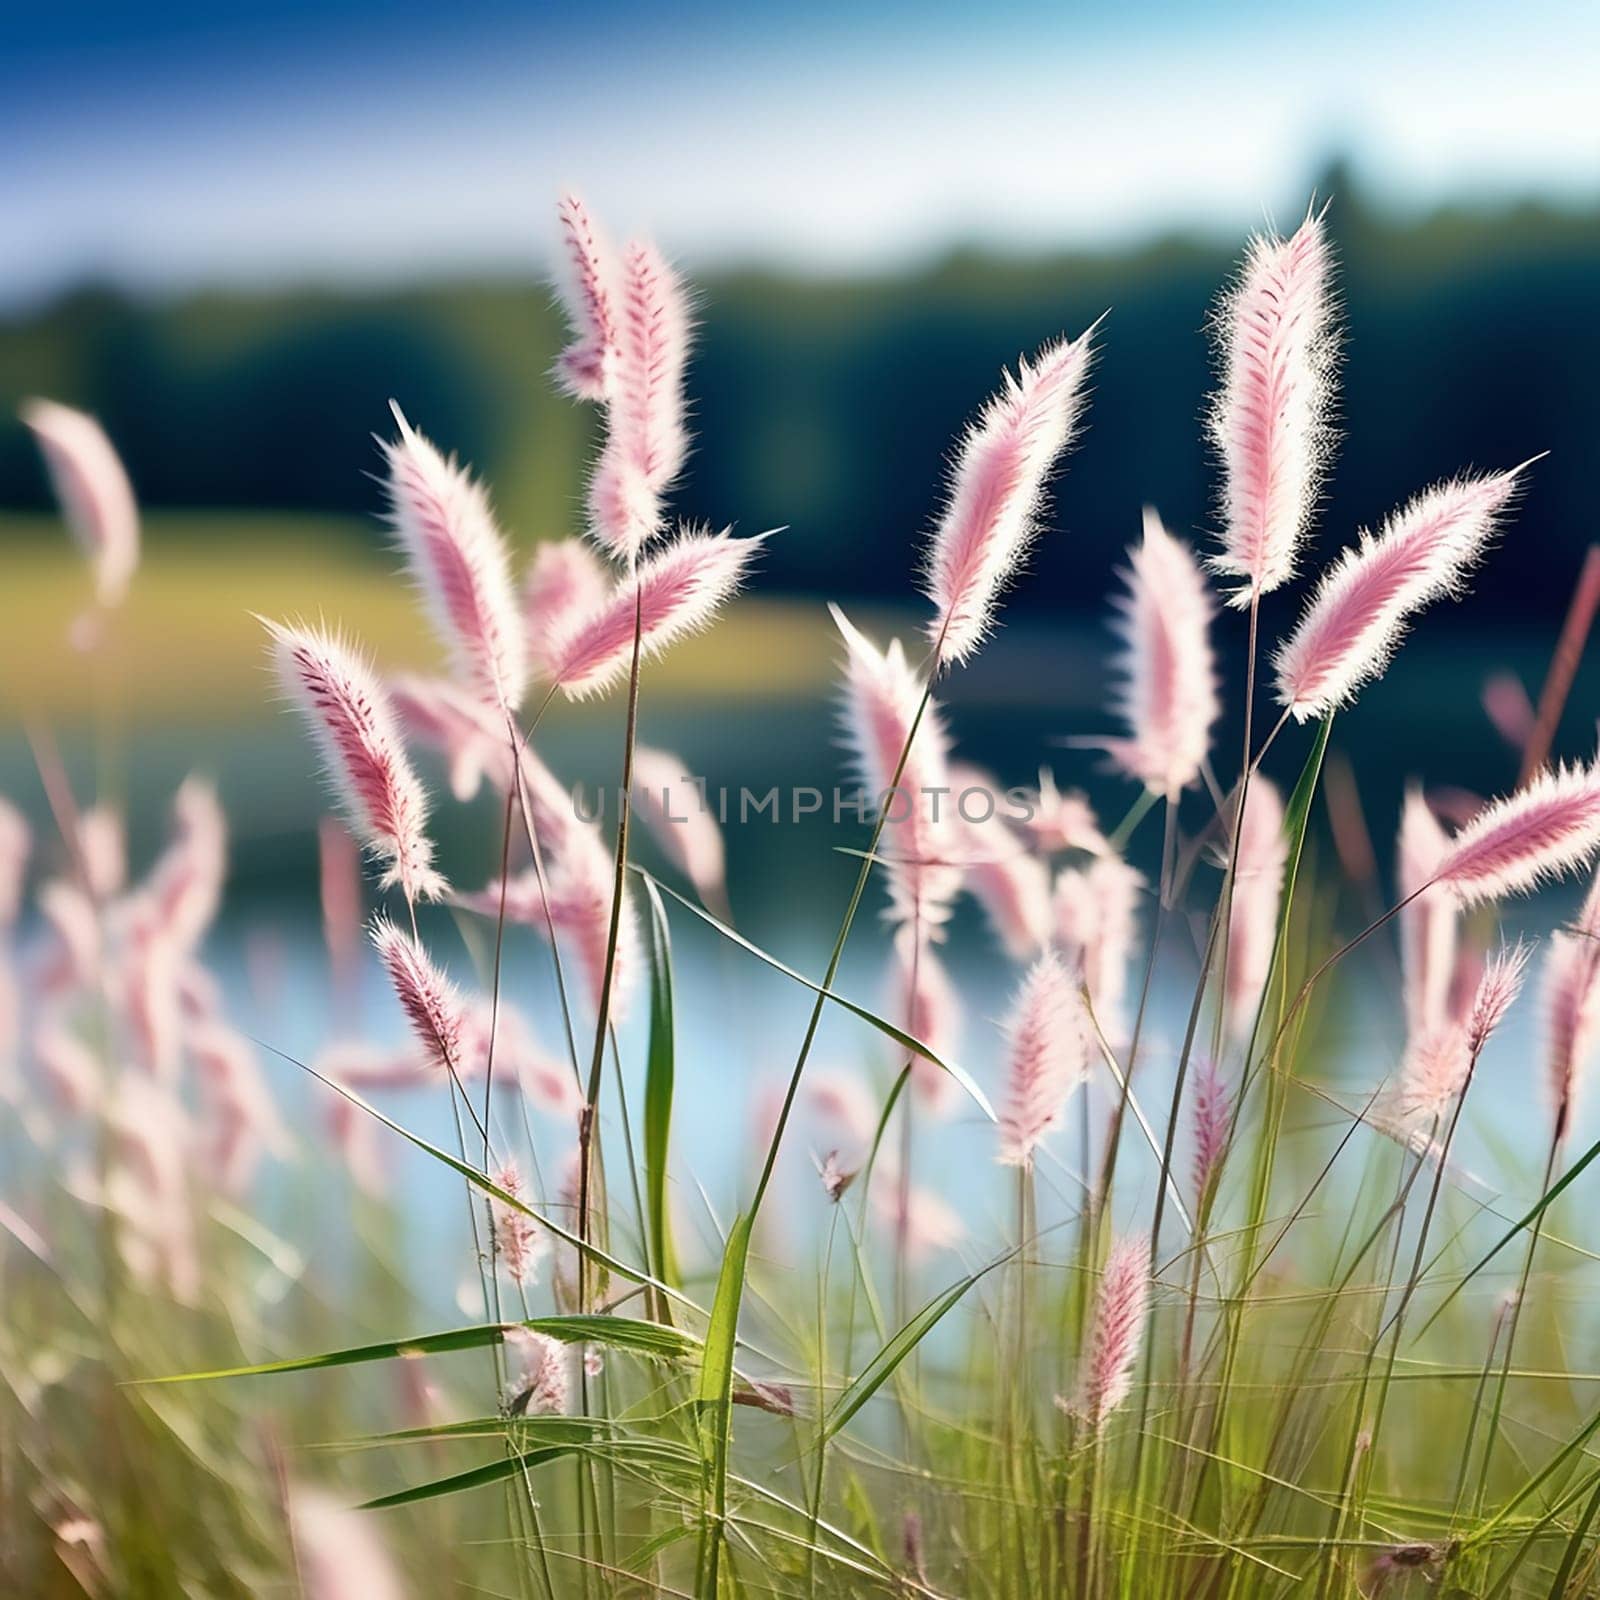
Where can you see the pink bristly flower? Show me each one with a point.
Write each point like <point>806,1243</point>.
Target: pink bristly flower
<point>1349,630</point>
<point>353,724</point>
<point>1572,1006</point>
<point>1002,873</point>
<point>103,851</point>
<point>457,557</point>
<point>1546,828</point>
<point>1212,1112</point>
<point>1428,923</point>
<point>586,369</point>
<point>924,1002</point>
<point>241,1117</point>
<point>339,891</point>
<point>538,1381</point>
<point>1434,1071</point>
<point>991,518</point>
<point>1269,419</point>
<point>94,493</point>
<point>1048,1058</point>
<point>843,1100</point>
<point>73,943</point>
<point>1115,1333</point>
<point>646,439</point>
<point>1507,706</point>
<point>338,1552</point>
<point>1257,890</point>
<point>71,1071</point>
<point>16,842</point>
<point>431,1002</point>
<point>564,583</point>
<point>1168,689</point>
<point>676,593</point>
<point>1063,821</point>
<point>1496,993</point>
<point>1096,930</point>
<point>919,843</point>
<point>519,1243</point>
<point>184,889</point>
<point>673,806</point>
<point>471,736</point>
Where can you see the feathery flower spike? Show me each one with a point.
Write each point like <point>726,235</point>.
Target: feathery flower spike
<point>1212,1113</point>
<point>673,806</point>
<point>919,841</point>
<point>991,517</point>
<point>92,488</point>
<point>1428,923</point>
<point>353,724</point>
<point>564,582</point>
<point>586,369</point>
<point>646,440</point>
<point>1497,992</point>
<point>457,558</point>
<point>679,592</point>
<point>431,1002</point>
<point>1168,692</point>
<point>538,1382</point>
<point>1257,890</point>
<point>1269,419</point>
<point>1048,1058</point>
<point>1115,1333</point>
<point>338,1551</point>
<point>1003,873</point>
<point>470,735</point>
<point>1352,624</point>
<point>1572,1006</point>
<point>1544,829</point>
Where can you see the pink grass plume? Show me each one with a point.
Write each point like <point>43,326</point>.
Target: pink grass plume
<point>16,844</point>
<point>96,499</point>
<point>1545,829</point>
<point>469,734</point>
<point>519,1242</point>
<point>1257,892</point>
<point>1096,912</point>
<point>923,1000</point>
<point>242,1122</point>
<point>1115,1334</point>
<point>1350,629</point>
<point>999,868</point>
<point>1496,993</point>
<point>919,841</point>
<point>1211,1112</point>
<point>338,1550</point>
<point>673,807</point>
<point>564,581</point>
<point>1571,996</point>
<point>1047,1058</point>
<point>537,1382</point>
<point>586,369</point>
<point>991,518</point>
<point>1509,710</point>
<point>457,557</point>
<point>676,593</point>
<point>1429,923</point>
<point>1063,820</point>
<point>1167,692</point>
<point>1269,419</point>
<point>353,723</point>
<point>431,1002</point>
<point>646,439</point>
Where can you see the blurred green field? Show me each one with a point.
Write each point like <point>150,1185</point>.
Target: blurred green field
<point>184,650</point>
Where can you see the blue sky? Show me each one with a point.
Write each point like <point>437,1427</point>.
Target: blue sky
<point>165,146</point>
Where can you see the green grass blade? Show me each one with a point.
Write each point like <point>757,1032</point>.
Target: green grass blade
<point>476,1478</point>
<point>715,1396</point>
<point>905,1040</point>
<point>881,1368</point>
<point>529,1430</point>
<point>658,1087</point>
<point>619,1333</point>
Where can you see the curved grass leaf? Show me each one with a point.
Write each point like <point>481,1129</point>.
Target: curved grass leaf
<point>881,1368</point>
<point>714,1399</point>
<point>905,1040</point>
<point>658,1087</point>
<point>619,1333</point>
<point>476,1478</point>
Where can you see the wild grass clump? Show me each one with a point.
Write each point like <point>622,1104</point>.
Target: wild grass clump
<point>1249,1325</point>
